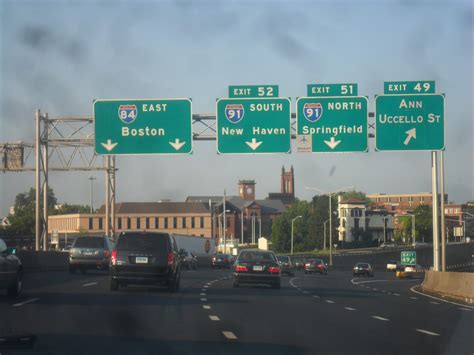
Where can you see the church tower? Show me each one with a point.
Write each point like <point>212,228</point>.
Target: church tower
<point>247,189</point>
<point>288,181</point>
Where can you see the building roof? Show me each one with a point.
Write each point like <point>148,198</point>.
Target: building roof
<point>286,198</point>
<point>271,206</point>
<point>353,201</point>
<point>397,195</point>
<point>267,206</point>
<point>158,207</point>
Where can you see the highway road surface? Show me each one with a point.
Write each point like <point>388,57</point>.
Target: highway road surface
<point>310,314</point>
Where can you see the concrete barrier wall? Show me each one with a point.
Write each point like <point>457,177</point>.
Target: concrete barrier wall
<point>43,261</point>
<point>458,285</point>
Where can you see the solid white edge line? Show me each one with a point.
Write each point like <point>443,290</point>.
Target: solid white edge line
<point>439,299</point>
<point>427,332</point>
<point>92,283</point>
<point>229,335</point>
<point>25,302</point>
<point>214,318</point>
<point>381,318</point>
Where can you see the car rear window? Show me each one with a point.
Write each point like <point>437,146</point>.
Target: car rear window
<point>257,256</point>
<point>363,265</point>
<point>89,242</point>
<point>283,258</point>
<point>157,243</point>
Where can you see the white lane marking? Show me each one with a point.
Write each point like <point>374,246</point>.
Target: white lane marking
<point>389,293</point>
<point>375,289</point>
<point>414,298</point>
<point>464,309</point>
<point>381,318</point>
<point>306,292</point>
<point>433,302</point>
<point>396,294</point>
<point>365,282</point>
<point>214,318</point>
<point>92,283</point>
<point>315,296</point>
<point>206,286</point>
<point>229,335</point>
<point>206,306</point>
<point>329,301</point>
<point>25,302</point>
<point>383,291</point>
<point>427,332</point>
<point>204,299</point>
<point>439,299</point>
<point>350,308</point>
<point>202,294</point>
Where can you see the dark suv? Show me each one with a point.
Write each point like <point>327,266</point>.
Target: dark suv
<point>90,253</point>
<point>144,259</point>
<point>10,270</point>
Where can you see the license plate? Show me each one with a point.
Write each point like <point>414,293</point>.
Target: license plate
<point>141,260</point>
<point>88,253</point>
<point>258,268</point>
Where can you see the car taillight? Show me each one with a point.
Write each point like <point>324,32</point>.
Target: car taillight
<point>170,258</point>
<point>273,269</point>
<point>107,253</point>
<point>225,259</point>
<point>114,257</point>
<point>241,268</point>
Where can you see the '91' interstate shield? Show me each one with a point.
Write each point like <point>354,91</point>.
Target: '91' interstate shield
<point>234,112</point>
<point>127,113</point>
<point>313,111</point>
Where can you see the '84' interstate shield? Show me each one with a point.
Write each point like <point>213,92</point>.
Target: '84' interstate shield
<point>127,113</point>
<point>234,112</point>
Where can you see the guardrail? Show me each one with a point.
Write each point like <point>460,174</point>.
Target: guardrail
<point>457,285</point>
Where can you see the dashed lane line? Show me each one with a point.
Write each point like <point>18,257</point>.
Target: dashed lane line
<point>90,284</point>
<point>214,318</point>
<point>427,332</point>
<point>204,299</point>
<point>229,335</point>
<point>329,301</point>
<point>315,296</point>
<point>396,294</point>
<point>433,302</point>
<point>206,306</point>
<point>202,294</point>
<point>439,299</point>
<point>25,302</point>
<point>381,318</point>
<point>414,298</point>
<point>350,308</point>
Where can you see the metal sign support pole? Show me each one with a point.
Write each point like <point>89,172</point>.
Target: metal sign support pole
<point>434,181</point>
<point>443,217</point>
<point>37,179</point>
<point>44,139</point>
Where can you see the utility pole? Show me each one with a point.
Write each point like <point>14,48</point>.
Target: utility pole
<point>292,230</point>
<point>91,179</point>
<point>324,245</point>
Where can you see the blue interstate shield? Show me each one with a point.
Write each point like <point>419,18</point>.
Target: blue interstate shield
<point>313,111</point>
<point>127,113</point>
<point>234,112</point>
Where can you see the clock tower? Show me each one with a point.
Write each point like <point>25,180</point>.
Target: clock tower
<point>247,189</point>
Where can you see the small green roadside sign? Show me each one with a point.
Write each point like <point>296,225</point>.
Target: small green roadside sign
<point>253,91</point>
<point>408,87</point>
<point>332,124</point>
<point>253,125</point>
<point>322,90</point>
<point>149,126</point>
<point>409,122</point>
<point>408,257</point>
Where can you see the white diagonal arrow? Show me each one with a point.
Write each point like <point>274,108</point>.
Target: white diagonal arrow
<point>177,144</point>
<point>411,134</point>
<point>254,144</point>
<point>109,145</point>
<point>332,143</point>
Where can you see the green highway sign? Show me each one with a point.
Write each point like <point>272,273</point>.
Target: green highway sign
<point>253,91</point>
<point>251,125</point>
<point>331,124</point>
<point>408,87</point>
<point>161,126</point>
<point>408,257</point>
<point>409,122</point>
<point>332,90</point>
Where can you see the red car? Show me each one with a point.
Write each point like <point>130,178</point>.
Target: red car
<point>315,265</point>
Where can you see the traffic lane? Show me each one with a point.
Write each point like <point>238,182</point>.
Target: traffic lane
<point>132,320</point>
<point>297,320</point>
<point>405,315</point>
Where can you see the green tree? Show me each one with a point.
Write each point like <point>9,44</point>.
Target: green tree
<point>423,224</point>
<point>70,209</point>
<point>23,220</point>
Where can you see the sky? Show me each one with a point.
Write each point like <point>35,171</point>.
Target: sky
<point>58,56</point>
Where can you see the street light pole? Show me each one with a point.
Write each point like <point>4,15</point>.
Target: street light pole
<point>292,229</point>
<point>225,227</point>
<point>91,178</point>
<point>324,245</point>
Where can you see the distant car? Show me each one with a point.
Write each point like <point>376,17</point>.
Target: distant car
<point>387,245</point>
<point>90,253</point>
<point>145,259</point>
<point>363,269</point>
<point>222,261</point>
<point>257,267</point>
<point>298,263</point>
<point>394,265</point>
<point>413,268</point>
<point>11,270</point>
<point>286,265</point>
<point>188,260</point>
<point>315,265</point>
